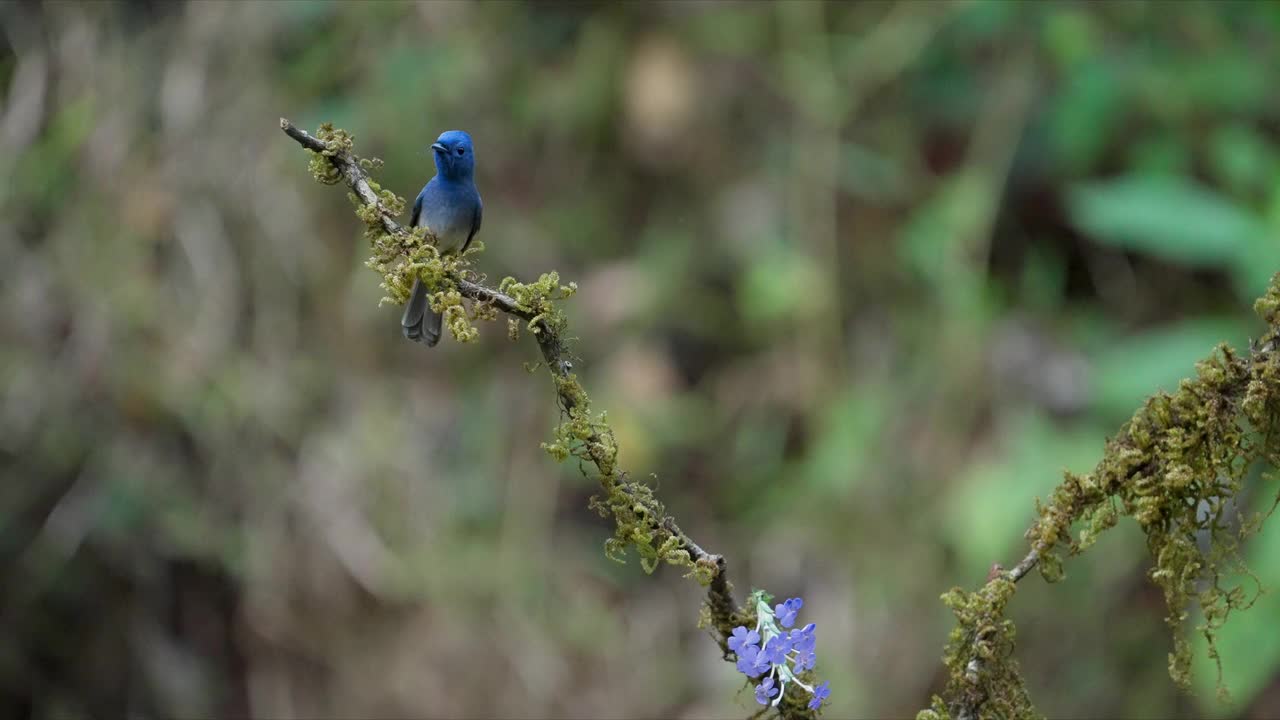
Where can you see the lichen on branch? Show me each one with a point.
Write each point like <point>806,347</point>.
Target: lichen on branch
<point>401,255</point>
<point>1177,468</point>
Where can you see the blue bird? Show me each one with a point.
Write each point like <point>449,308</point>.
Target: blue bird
<point>449,205</point>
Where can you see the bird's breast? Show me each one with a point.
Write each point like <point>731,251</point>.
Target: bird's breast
<point>449,221</point>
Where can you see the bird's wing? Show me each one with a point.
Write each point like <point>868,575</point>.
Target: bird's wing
<point>476,217</point>
<point>417,305</point>
<point>417,209</point>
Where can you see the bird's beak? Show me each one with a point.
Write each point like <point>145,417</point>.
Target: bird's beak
<point>438,147</point>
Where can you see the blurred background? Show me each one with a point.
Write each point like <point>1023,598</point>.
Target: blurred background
<point>858,282</point>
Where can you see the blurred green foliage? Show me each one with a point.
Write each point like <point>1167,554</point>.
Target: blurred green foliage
<point>857,282</point>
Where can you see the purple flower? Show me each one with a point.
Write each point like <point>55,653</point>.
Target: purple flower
<point>766,690</point>
<point>775,651</point>
<point>804,640</point>
<point>820,695</point>
<point>805,660</point>
<point>751,661</point>
<point>743,637</point>
<point>762,665</point>
<point>786,612</point>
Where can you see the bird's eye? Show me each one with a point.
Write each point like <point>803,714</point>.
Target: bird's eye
<point>461,151</point>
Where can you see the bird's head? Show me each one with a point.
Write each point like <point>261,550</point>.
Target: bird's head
<point>455,159</point>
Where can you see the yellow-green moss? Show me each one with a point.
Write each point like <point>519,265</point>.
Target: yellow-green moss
<point>410,254</point>
<point>539,298</point>
<point>336,141</point>
<point>979,655</point>
<point>1176,468</point>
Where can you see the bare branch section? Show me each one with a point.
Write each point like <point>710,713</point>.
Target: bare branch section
<point>550,344</point>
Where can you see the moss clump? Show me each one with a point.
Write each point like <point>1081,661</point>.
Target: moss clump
<point>538,298</point>
<point>1177,468</point>
<point>979,656</point>
<point>337,141</point>
<point>406,254</point>
<point>640,519</point>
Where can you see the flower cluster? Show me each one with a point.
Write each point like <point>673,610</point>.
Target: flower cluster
<point>776,656</point>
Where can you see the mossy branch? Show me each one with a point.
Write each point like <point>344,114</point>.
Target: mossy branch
<point>1177,468</point>
<point>402,254</point>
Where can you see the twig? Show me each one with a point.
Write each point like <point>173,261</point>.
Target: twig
<point>719,595</point>
<point>970,704</point>
<point>1028,564</point>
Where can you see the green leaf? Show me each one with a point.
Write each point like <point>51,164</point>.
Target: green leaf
<point>1253,271</point>
<point>933,241</point>
<point>1169,217</point>
<point>778,287</point>
<point>1084,114</point>
<point>850,429</point>
<point>1241,158</point>
<point>1261,259</point>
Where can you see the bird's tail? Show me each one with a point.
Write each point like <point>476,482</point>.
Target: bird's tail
<point>419,323</point>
